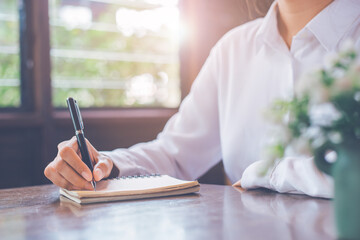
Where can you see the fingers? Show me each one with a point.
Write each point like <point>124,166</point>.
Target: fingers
<point>103,167</point>
<point>57,179</point>
<point>94,154</point>
<point>70,172</point>
<point>71,175</point>
<point>68,154</point>
<point>62,175</point>
<point>70,143</point>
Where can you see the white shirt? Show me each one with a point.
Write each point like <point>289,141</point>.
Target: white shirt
<point>222,118</point>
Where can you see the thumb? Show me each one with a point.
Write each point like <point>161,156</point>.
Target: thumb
<point>103,167</point>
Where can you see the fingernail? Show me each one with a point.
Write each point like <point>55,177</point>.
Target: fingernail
<point>99,173</point>
<point>87,176</point>
<point>89,186</point>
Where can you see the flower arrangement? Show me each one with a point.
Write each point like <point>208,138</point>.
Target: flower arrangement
<point>325,109</point>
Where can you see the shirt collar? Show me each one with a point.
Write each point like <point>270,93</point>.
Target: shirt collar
<point>329,26</point>
<point>268,32</point>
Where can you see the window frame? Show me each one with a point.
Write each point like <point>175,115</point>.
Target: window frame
<point>25,60</point>
<point>26,56</point>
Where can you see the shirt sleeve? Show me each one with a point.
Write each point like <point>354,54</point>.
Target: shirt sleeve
<point>189,144</point>
<point>297,175</point>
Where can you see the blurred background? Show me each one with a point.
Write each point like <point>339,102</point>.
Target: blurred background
<point>129,63</point>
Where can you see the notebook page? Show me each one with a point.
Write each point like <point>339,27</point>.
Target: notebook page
<point>135,185</point>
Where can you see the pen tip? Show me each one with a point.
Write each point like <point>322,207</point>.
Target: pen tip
<point>94,185</point>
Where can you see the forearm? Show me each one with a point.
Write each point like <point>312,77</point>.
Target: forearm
<point>144,158</point>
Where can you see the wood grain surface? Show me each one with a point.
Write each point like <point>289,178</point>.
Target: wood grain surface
<point>217,212</point>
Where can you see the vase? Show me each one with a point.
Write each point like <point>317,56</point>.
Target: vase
<point>346,174</point>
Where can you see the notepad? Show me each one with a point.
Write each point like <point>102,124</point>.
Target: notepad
<point>133,187</point>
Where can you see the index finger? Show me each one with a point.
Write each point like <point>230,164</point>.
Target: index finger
<point>68,154</point>
<point>70,143</point>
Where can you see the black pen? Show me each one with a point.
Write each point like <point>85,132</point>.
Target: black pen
<point>79,132</point>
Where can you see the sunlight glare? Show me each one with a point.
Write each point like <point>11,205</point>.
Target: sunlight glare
<point>75,17</point>
<point>132,22</point>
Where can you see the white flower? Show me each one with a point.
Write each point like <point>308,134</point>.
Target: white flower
<point>312,85</point>
<point>357,96</point>
<point>299,146</point>
<point>331,156</point>
<point>318,142</point>
<point>335,137</point>
<point>280,133</point>
<point>313,132</point>
<point>324,114</point>
<point>338,73</point>
<point>330,59</point>
<point>306,82</point>
<point>347,46</point>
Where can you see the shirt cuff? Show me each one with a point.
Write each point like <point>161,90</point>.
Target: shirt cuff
<point>124,165</point>
<point>290,175</point>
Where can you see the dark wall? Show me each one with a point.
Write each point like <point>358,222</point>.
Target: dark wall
<point>19,156</point>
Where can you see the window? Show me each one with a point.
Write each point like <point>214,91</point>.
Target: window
<point>109,53</point>
<point>9,54</point>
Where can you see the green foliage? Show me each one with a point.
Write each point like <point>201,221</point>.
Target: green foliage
<point>327,79</point>
<point>9,66</point>
<point>350,109</point>
<point>9,63</point>
<point>9,33</point>
<point>9,96</point>
<point>9,69</point>
<point>90,97</point>
<point>299,118</point>
<point>87,70</point>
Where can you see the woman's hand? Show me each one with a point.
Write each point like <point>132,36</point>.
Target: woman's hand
<point>68,171</point>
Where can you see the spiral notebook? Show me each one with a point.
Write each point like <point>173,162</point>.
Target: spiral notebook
<point>133,187</point>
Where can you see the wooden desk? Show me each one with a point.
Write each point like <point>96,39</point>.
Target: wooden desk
<point>218,212</point>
